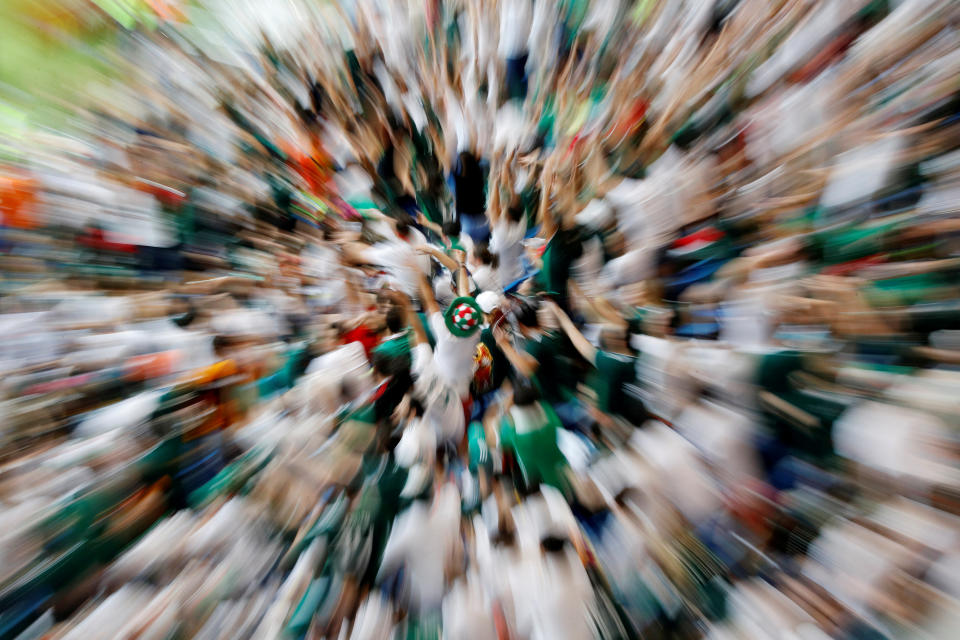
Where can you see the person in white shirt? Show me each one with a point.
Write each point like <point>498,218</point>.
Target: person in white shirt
<point>466,613</point>
<point>557,599</point>
<point>516,20</point>
<point>418,444</point>
<point>454,236</point>
<point>397,255</point>
<point>485,268</point>
<point>508,230</point>
<point>453,357</point>
<point>426,541</point>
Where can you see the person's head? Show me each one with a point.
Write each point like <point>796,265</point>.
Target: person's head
<point>615,243</point>
<point>505,535</point>
<point>554,544</point>
<point>467,160</point>
<point>384,303</point>
<point>484,256</point>
<point>385,365</point>
<point>222,346</point>
<point>526,315</point>
<point>348,390</point>
<point>515,212</point>
<point>403,227</point>
<point>416,408</point>
<point>525,392</point>
<point>395,320</point>
<point>614,338</point>
<point>489,302</point>
<point>452,228</point>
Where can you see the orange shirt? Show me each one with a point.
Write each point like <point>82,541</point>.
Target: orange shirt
<point>17,199</point>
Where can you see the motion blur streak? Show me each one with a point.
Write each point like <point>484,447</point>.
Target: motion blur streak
<point>479,319</point>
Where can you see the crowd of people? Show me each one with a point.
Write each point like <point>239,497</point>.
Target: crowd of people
<point>506,319</point>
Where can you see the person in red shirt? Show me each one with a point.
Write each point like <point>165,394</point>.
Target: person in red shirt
<point>367,330</point>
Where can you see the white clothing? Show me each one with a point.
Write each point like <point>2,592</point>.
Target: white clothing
<point>561,602</point>
<point>487,278</point>
<point>512,128</point>
<point>396,255</point>
<point>443,410</point>
<point>586,269</point>
<point>506,241</point>
<point>680,473</point>
<point>374,619</point>
<point>899,441</point>
<point>543,20</point>
<point>418,444</point>
<point>633,266</point>
<point>601,17</point>
<point>413,103</point>
<point>516,19</point>
<point>454,356</point>
<point>466,242</point>
<point>423,541</point>
<point>597,214</point>
<point>443,289</point>
<point>466,614</point>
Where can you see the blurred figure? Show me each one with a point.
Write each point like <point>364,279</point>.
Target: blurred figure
<point>493,319</point>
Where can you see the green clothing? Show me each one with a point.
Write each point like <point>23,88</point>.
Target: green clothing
<point>358,426</point>
<point>556,375</point>
<point>455,245</point>
<point>612,371</point>
<point>478,449</point>
<point>574,12</point>
<point>397,345</point>
<point>530,201</point>
<point>426,626</point>
<point>358,547</point>
<point>281,193</point>
<point>425,323</point>
<point>536,451</point>
<point>284,377</point>
<point>547,121</point>
<point>812,443</point>
<point>564,248</point>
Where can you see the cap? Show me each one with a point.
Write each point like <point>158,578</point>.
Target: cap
<point>463,317</point>
<point>489,300</point>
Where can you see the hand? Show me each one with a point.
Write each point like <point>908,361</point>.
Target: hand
<point>459,256</point>
<point>551,306</point>
<point>395,296</point>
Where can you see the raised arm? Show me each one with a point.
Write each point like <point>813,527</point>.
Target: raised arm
<point>355,253</point>
<point>439,256</point>
<point>463,278</point>
<point>427,298</point>
<point>587,350</point>
<point>426,223</point>
<point>548,224</point>
<point>599,305</point>
<point>413,320</point>
<point>525,364</point>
